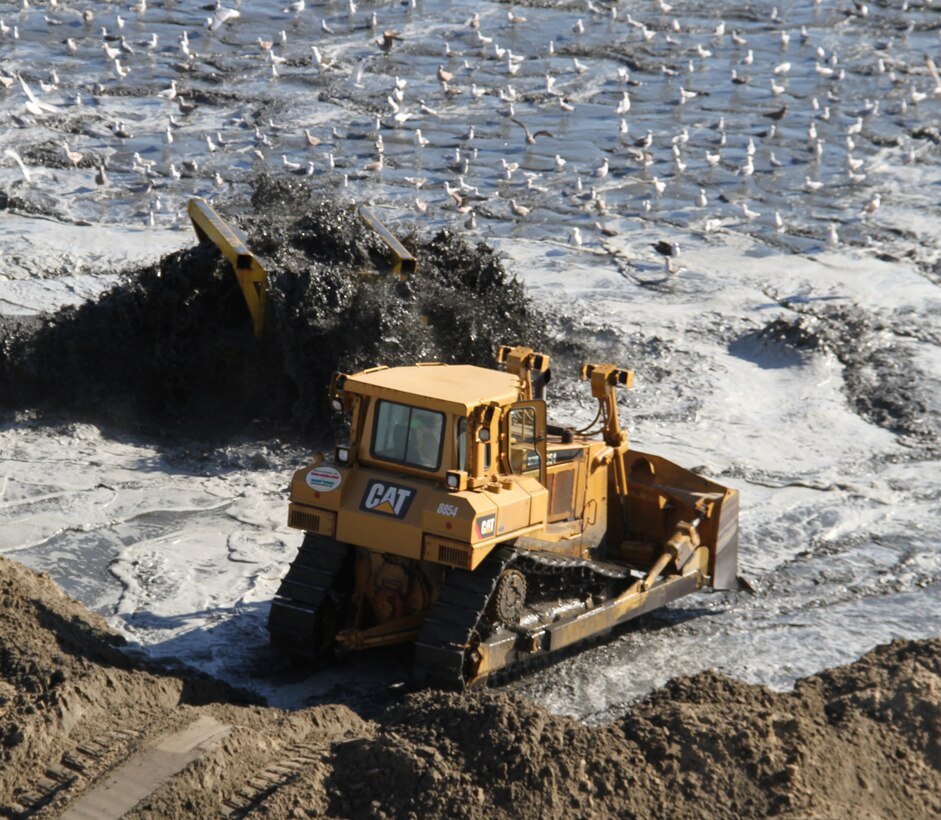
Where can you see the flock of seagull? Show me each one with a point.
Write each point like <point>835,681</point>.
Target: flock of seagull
<point>644,116</point>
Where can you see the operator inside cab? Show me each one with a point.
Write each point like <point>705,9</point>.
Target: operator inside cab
<point>408,435</point>
<point>424,439</point>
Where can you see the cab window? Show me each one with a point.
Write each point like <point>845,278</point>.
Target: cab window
<point>408,435</point>
<point>462,444</point>
<point>524,455</point>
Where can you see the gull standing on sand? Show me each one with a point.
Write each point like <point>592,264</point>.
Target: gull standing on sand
<point>168,93</point>
<point>872,205</point>
<point>519,211</point>
<point>75,157</point>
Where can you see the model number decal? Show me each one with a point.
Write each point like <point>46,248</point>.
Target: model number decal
<point>447,509</point>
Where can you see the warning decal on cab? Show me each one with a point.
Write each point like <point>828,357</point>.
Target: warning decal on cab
<point>324,479</point>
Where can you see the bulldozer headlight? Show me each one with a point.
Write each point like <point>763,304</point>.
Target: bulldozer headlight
<point>343,455</point>
<point>456,480</point>
<point>337,405</point>
<point>484,435</point>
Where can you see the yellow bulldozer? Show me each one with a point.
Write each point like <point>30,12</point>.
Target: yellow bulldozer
<point>458,518</point>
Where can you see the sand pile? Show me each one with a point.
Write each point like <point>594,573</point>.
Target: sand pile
<point>64,681</point>
<point>860,741</point>
<point>171,350</point>
<point>863,740</point>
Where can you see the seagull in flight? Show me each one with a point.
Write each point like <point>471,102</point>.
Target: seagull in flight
<point>530,135</point>
<point>220,17</point>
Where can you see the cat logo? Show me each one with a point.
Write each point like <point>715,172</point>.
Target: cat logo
<point>386,498</point>
<point>487,525</point>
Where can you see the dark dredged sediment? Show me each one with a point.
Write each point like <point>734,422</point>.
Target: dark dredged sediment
<point>170,349</point>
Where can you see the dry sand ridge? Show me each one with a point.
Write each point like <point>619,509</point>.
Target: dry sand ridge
<point>858,741</point>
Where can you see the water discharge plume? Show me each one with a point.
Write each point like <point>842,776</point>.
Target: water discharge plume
<point>170,348</point>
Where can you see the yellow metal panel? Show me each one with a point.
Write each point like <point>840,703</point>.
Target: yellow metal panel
<point>383,512</point>
<point>561,481</point>
<point>451,388</point>
<point>310,519</point>
<point>320,485</point>
<point>513,508</point>
<point>538,500</point>
<point>396,539</point>
<point>452,515</point>
<point>376,509</point>
<point>392,512</point>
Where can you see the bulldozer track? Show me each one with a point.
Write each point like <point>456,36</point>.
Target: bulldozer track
<point>454,624</point>
<point>547,563</point>
<point>458,621</point>
<point>103,758</point>
<point>265,782</point>
<point>512,678</point>
<point>74,770</point>
<point>448,631</point>
<point>310,581</point>
<point>53,783</point>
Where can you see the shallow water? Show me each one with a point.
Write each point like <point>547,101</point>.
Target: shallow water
<point>842,70</point>
<point>839,535</point>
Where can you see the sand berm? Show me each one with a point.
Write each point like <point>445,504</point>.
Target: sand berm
<point>859,741</point>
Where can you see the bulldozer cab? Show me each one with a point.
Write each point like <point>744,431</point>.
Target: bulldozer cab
<point>468,445</point>
<point>432,421</point>
<point>432,439</point>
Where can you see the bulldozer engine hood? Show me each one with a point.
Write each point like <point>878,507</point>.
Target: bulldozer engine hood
<point>412,517</point>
